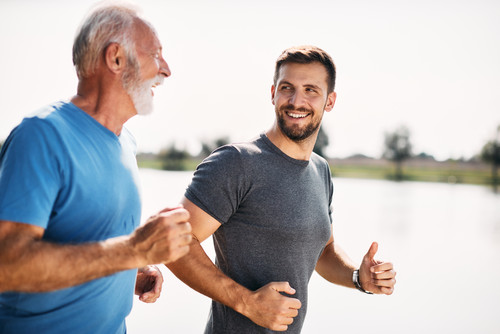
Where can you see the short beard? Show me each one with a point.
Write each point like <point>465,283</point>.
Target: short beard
<point>139,92</point>
<point>141,96</point>
<point>294,133</point>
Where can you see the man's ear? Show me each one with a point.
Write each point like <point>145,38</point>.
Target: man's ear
<point>273,91</point>
<point>330,101</point>
<point>114,57</point>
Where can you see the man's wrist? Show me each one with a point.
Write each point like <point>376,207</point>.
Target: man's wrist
<point>122,250</point>
<point>357,284</point>
<point>242,301</point>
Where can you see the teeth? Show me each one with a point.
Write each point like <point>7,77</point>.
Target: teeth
<point>296,115</point>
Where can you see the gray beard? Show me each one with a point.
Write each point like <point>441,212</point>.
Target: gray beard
<point>139,92</point>
<point>141,96</point>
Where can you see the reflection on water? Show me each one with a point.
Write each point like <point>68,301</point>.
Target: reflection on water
<point>443,239</point>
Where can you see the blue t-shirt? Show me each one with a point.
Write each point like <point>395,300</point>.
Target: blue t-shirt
<point>63,171</point>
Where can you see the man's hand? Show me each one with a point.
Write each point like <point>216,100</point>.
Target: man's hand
<point>376,276</point>
<point>148,284</point>
<point>164,238</point>
<point>47,266</point>
<point>268,308</point>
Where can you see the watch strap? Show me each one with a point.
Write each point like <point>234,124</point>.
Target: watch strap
<point>355,280</point>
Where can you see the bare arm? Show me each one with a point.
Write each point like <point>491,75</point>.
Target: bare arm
<point>30,264</point>
<point>336,267</point>
<point>266,306</point>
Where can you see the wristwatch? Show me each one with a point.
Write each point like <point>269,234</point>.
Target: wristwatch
<point>355,280</point>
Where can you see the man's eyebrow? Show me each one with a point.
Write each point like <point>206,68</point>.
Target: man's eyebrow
<point>312,86</point>
<point>285,83</point>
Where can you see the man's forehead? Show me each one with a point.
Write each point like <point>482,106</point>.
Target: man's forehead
<point>314,72</point>
<point>145,36</point>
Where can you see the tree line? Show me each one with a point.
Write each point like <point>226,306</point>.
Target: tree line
<point>397,149</point>
<point>173,158</point>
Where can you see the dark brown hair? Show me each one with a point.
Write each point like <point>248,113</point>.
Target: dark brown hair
<point>307,54</point>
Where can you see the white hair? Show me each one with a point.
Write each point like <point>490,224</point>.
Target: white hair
<point>107,23</point>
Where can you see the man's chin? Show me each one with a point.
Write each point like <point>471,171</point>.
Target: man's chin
<point>144,112</point>
<point>142,98</point>
<point>144,106</point>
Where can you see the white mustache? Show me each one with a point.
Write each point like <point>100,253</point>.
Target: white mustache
<point>158,80</point>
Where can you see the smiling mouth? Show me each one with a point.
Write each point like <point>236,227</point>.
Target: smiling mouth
<point>152,89</point>
<point>296,115</point>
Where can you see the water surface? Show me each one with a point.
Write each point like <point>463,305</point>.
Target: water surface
<point>443,239</point>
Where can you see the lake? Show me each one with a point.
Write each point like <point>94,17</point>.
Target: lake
<point>444,240</point>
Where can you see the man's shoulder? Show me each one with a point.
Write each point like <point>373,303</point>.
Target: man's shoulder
<point>49,111</point>
<point>231,158</point>
<point>255,146</point>
<point>320,162</point>
<point>36,129</point>
<point>239,150</point>
<point>45,117</point>
<point>318,159</point>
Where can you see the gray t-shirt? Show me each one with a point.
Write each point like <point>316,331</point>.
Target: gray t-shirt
<point>275,215</point>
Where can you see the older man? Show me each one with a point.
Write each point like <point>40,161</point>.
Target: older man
<point>69,200</point>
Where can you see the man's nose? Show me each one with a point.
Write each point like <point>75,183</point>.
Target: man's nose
<point>297,99</point>
<point>164,69</point>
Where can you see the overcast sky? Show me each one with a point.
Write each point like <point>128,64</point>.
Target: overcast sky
<point>433,66</point>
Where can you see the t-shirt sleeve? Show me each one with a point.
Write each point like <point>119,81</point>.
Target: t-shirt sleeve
<point>218,184</point>
<point>29,174</point>
<point>330,206</point>
<point>329,181</point>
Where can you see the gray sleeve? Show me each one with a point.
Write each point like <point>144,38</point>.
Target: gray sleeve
<point>330,198</point>
<point>329,182</point>
<point>218,184</point>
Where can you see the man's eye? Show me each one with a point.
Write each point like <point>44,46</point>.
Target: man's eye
<point>156,54</point>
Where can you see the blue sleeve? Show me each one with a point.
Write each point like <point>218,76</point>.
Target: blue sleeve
<point>29,173</point>
<point>218,184</point>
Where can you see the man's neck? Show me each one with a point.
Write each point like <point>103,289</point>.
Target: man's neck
<point>111,108</point>
<point>297,150</point>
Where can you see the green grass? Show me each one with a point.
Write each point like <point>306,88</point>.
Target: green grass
<point>187,164</point>
<point>368,172</point>
<point>438,172</point>
<point>153,164</point>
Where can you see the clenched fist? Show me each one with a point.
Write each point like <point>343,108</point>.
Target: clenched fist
<point>164,238</point>
<point>268,308</point>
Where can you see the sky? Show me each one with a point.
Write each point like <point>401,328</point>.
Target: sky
<point>430,65</point>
